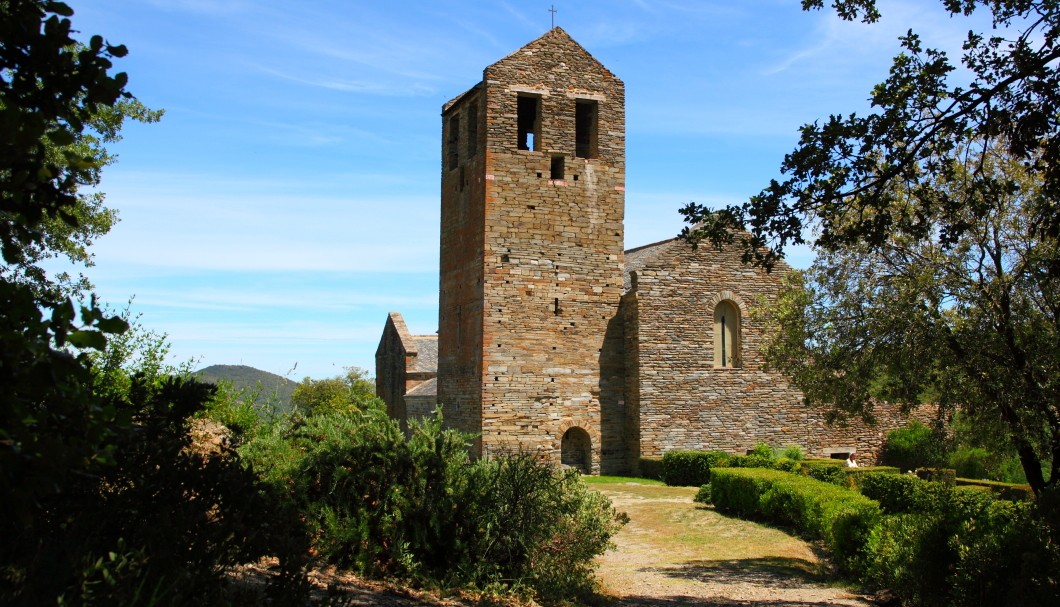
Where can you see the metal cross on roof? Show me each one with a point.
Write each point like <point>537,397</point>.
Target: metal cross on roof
<point>552,10</point>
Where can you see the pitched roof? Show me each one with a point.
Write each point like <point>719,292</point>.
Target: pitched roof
<point>555,37</point>
<point>426,354</point>
<point>427,388</point>
<point>639,257</point>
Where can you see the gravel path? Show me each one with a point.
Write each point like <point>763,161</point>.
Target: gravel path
<point>675,552</point>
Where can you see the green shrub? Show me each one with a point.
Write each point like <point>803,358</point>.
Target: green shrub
<point>826,470</point>
<point>1010,470</point>
<point>763,451</point>
<point>416,508</point>
<point>946,476</point>
<point>1004,557</point>
<point>143,515</point>
<point>841,517</point>
<point>897,493</point>
<point>754,460</point>
<point>703,495</point>
<point>691,468</point>
<point>854,475</point>
<point>914,446</point>
<point>157,524</point>
<point>792,452</point>
<point>972,462</point>
<point>966,549</point>
<point>234,408</point>
<point>529,524</point>
<point>650,467</point>
<point>786,465</point>
<point>1005,491</point>
<point>909,554</point>
<point>738,491</point>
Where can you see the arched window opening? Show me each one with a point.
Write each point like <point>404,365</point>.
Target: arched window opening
<point>726,335</point>
<point>576,450</point>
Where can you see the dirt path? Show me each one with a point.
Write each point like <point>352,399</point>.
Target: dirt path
<point>675,552</point>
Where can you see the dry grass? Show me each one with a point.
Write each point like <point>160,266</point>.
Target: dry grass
<point>673,547</point>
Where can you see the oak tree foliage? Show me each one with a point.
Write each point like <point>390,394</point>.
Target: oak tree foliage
<point>103,500</point>
<point>971,324</point>
<point>840,182</point>
<point>349,393</point>
<point>936,220</point>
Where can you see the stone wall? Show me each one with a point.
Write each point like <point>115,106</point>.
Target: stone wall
<point>542,279</point>
<point>461,269</point>
<point>684,398</point>
<point>391,363</point>
<point>546,326</point>
<point>404,363</point>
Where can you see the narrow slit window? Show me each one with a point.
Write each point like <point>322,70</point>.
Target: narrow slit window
<point>557,168</point>
<point>726,335</point>
<point>585,129</point>
<point>454,142</point>
<point>472,129</point>
<point>529,119</point>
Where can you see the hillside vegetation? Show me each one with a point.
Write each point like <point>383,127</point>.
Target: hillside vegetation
<point>262,387</point>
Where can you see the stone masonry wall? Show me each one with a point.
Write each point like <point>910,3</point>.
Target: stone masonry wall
<point>550,260</point>
<point>685,401</point>
<point>391,363</point>
<point>462,242</point>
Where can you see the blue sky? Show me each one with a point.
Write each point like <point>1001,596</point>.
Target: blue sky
<point>288,200</point>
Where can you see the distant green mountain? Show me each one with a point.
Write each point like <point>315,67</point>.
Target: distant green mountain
<point>267,388</point>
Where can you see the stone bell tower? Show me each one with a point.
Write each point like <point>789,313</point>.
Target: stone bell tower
<point>533,181</point>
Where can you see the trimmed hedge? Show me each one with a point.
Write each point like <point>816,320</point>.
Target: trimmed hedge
<point>650,467</point>
<point>836,471</point>
<point>842,517</point>
<point>826,470</point>
<point>1005,491</point>
<point>691,468</point>
<point>963,548</point>
<point>854,475</point>
<point>946,476</point>
<point>750,461</point>
<point>898,493</point>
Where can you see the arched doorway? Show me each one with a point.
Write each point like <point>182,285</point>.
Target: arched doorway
<point>576,450</point>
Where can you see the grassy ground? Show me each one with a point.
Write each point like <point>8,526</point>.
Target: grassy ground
<point>676,550</point>
<point>621,480</point>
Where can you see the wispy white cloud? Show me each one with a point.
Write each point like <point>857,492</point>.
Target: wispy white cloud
<point>835,44</point>
<point>209,7</point>
<point>368,87</point>
<point>530,23</point>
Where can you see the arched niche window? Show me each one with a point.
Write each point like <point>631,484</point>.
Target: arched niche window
<point>726,334</point>
<point>576,450</point>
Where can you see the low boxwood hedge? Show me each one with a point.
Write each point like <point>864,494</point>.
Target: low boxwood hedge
<point>1005,491</point>
<point>898,493</point>
<point>963,548</point>
<point>946,476</point>
<point>691,468</point>
<point>841,517</point>
<point>650,467</point>
<point>827,470</point>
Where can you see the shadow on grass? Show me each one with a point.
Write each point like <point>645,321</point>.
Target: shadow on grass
<point>691,601</point>
<point>764,574</point>
<point>767,572</point>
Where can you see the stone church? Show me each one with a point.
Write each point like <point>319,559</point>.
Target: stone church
<point>554,339</point>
